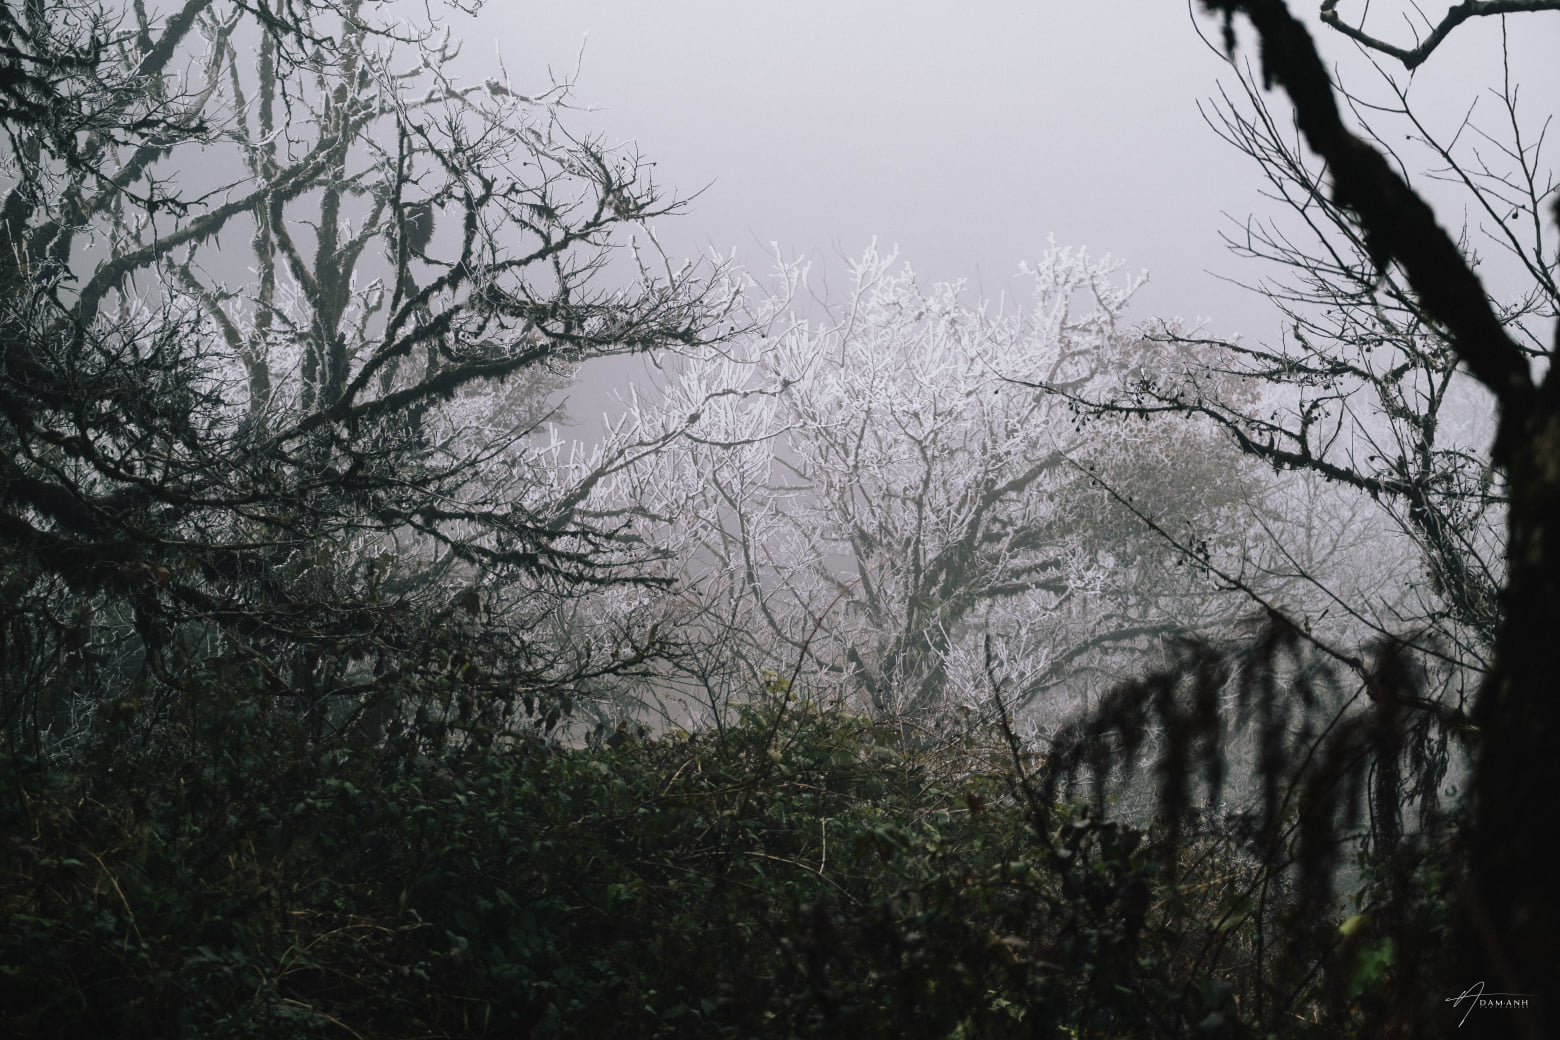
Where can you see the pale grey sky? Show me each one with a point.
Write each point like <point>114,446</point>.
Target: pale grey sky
<point>965,133</point>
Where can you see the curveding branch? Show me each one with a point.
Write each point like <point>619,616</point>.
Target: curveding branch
<point>1413,57</point>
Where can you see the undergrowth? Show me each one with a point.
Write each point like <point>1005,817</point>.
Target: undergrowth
<point>804,872</point>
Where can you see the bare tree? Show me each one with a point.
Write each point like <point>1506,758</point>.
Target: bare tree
<point>1382,274</point>
<point>1364,390</point>
<point>1405,380</point>
<point>283,301</point>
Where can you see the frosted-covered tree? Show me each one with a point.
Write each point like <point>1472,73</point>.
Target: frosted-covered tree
<point>875,493</point>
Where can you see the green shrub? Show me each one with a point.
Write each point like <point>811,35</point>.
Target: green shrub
<point>805,872</point>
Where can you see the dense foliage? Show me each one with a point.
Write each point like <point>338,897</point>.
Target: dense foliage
<point>806,873</point>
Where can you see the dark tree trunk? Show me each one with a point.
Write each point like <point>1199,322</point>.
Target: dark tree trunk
<point>1514,909</point>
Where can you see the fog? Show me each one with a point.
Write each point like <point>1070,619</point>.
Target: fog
<point>964,134</point>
